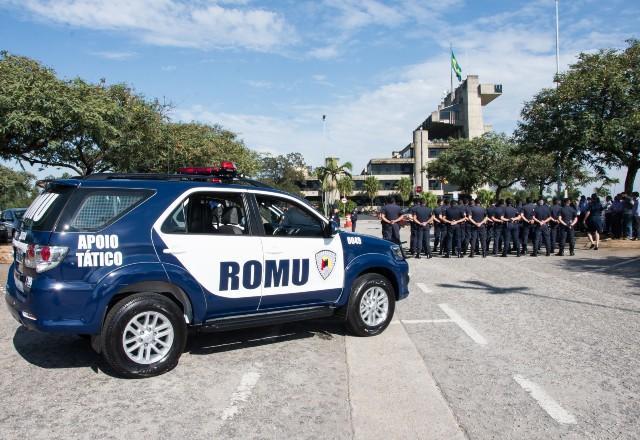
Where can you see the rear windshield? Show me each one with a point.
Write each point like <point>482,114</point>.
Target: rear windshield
<point>45,209</point>
<point>19,213</point>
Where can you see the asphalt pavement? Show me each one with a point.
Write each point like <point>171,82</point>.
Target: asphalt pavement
<point>505,348</point>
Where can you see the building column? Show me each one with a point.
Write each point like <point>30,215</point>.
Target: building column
<point>420,151</point>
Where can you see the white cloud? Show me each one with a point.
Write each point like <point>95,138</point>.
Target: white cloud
<point>318,77</point>
<point>180,23</point>
<point>113,55</point>
<point>324,53</point>
<point>259,84</point>
<point>169,68</point>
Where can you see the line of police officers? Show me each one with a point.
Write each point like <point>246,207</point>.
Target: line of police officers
<point>467,226</point>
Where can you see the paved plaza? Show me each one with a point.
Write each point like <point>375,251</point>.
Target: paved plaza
<point>505,348</point>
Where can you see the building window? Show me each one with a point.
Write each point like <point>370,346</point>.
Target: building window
<point>434,185</point>
<point>435,152</point>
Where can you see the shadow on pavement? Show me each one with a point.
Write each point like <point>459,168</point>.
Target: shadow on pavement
<point>614,266</point>
<point>68,351</point>
<point>209,343</point>
<point>471,285</point>
<point>56,351</point>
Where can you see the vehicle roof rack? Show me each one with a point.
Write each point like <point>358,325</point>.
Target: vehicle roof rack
<point>237,180</point>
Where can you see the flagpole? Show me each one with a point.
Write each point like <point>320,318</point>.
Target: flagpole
<point>558,180</point>
<point>451,69</point>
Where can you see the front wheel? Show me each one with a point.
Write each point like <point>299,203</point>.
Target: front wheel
<point>371,305</point>
<point>143,335</point>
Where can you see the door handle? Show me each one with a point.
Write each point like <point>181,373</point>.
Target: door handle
<point>173,251</point>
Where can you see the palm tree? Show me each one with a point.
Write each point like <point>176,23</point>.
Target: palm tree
<point>329,175</point>
<point>404,187</point>
<point>371,186</point>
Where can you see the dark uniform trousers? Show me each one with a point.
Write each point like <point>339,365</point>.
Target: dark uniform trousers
<point>436,235</point>
<point>444,238</point>
<point>454,232</point>
<point>543,231</point>
<point>498,236</point>
<point>481,233</point>
<point>466,235</point>
<point>571,233</point>
<point>555,236</point>
<point>391,232</point>
<point>511,236</point>
<point>526,229</point>
<point>422,239</point>
<point>412,238</point>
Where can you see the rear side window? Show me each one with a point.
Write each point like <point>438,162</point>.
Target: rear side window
<point>95,209</point>
<point>46,208</point>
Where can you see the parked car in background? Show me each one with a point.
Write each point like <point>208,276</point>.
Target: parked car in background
<point>10,219</point>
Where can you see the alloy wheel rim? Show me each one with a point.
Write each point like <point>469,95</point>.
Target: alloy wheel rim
<point>374,306</point>
<point>148,337</point>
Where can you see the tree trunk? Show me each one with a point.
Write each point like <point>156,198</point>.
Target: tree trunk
<point>632,170</point>
<point>498,191</point>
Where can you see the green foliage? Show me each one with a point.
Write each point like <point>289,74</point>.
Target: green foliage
<point>593,116</point>
<point>469,163</point>
<point>91,128</point>
<point>485,196</point>
<point>283,171</point>
<point>404,187</point>
<point>345,185</point>
<point>370,186</point>
<point>430,199</point>
<point>350,206</point>
<point>16,188</point>
<point>329,175</point>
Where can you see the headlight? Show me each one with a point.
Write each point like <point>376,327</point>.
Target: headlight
<point>397,252</point>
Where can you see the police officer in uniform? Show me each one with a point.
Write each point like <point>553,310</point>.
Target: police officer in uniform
<point>511,218</point>
<point>478,220</point>
<point>455,217</point>
<point>554,224</point>
<point>412,229</point>
<point>466,225</point>
<point>568,218</point>
<point>498,227</point>
<point>390,216</point>
<point>437,226</point>
<point>542,218</point>
<point>528,224</point>
<point>354,219</point>
<point>444,228</point>
<point>422,218</point>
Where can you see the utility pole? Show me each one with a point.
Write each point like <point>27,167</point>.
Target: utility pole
<point>559,182</point>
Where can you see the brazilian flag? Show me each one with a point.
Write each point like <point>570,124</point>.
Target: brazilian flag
<point>456,67</point>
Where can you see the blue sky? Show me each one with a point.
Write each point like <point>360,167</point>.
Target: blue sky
<point>270,70</point>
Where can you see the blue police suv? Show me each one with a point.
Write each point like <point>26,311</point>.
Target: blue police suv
<point>136,260</point>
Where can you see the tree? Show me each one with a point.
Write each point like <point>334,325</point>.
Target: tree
<point>16,188</point>
<point>329,174</point>
<point>345,185</point>
<point>404,187</point>
<point>430,199</point>
<point>592,117</point>
<point>486,197</point>
<point>370,188</point>
<point>489,159</point>
<point>32,106</point>
<point>283,171</point>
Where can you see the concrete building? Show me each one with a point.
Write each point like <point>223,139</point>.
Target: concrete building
<point>459,115</point>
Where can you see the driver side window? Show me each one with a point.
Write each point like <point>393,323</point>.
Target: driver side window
<point>281,217</point>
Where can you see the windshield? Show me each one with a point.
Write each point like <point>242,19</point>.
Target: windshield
<point>19,213</point>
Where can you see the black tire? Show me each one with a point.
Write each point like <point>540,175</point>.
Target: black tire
<point>361,285</point>
<point>116,322</point>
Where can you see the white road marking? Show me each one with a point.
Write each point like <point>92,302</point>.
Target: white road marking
<point>553,408</point>
<point>425,321</point>
<point>463,324</point>
<point>423,287</point>
<point>248,381</point>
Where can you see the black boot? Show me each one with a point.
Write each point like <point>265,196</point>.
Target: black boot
<point>418,256</point>
<point>471,255</point>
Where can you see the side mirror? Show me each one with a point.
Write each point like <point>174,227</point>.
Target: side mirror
<point>330,229</point>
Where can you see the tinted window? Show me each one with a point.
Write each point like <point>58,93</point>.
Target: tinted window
<point>285,218</point>
<point>45,209</point>
<point>208,213</point>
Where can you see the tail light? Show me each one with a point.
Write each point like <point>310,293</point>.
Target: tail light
<point>43,258</point>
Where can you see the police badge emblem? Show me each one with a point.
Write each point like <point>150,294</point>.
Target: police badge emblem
<point>325,260</point>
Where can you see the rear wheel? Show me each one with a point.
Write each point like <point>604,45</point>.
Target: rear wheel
<point>371,305</point>
<point>143,335</point>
